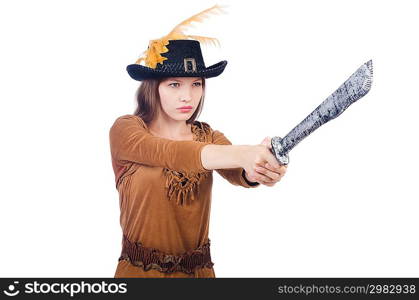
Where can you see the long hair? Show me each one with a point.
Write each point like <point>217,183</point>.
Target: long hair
<point>148,100</point>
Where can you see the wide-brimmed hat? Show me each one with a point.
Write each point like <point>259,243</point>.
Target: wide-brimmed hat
<point>184,59</point>
<point>177,54</point>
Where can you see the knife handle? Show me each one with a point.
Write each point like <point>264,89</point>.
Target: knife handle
<point>278,152</point>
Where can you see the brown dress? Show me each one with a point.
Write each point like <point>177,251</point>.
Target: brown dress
<point>165,199</point>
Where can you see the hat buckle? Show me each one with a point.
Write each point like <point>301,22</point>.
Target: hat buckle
<point>189,64</point>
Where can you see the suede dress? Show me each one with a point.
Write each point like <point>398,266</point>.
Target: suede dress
<point>165,198</point>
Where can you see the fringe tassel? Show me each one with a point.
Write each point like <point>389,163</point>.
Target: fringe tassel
<point>184,187</point>
<point>202,131</point>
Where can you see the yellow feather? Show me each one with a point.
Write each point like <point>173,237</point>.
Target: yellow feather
<point>199,17</point>
<point>205,39</point>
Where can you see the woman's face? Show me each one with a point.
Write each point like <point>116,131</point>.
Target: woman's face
<point>177,92</point>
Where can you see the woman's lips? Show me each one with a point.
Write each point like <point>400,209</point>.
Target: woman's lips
<point>185,108</point>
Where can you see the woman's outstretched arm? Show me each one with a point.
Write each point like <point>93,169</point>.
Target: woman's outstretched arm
<point>131,142</point>
<point>235,163</point>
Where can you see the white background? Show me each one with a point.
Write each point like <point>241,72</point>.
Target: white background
<point>348,205</point>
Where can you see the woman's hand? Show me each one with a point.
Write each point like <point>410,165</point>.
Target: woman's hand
<point>262,166</point>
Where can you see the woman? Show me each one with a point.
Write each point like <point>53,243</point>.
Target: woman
<point>163,160</point>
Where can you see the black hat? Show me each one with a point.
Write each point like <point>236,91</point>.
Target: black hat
<point>177,54</point>
<point>184,59</point>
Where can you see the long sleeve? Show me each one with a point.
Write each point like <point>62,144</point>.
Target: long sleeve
<point>234,175</point>
<point>130,141</point>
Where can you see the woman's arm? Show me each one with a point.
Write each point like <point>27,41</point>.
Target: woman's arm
<point>245,165</point>
<point>225,160</point>
<point>221,156</point>
<point>130,142</point>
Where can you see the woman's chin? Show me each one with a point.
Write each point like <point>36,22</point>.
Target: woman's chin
<point>182,116</point>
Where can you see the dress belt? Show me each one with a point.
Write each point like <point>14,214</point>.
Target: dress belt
<point>151,258</point>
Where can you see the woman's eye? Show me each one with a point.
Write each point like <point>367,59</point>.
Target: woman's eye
<point>173,83</point>
<point>197,83</point>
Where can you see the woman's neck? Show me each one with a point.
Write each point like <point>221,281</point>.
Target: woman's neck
<point>171,129</point>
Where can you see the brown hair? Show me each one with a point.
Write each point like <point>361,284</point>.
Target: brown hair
<point>148,100</point>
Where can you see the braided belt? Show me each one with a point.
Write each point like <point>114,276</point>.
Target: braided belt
<point>151,258</point>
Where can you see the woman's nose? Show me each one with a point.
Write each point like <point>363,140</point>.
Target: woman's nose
<point>187,95</point>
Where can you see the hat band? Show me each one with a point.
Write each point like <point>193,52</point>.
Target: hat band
<point>189,65</point>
